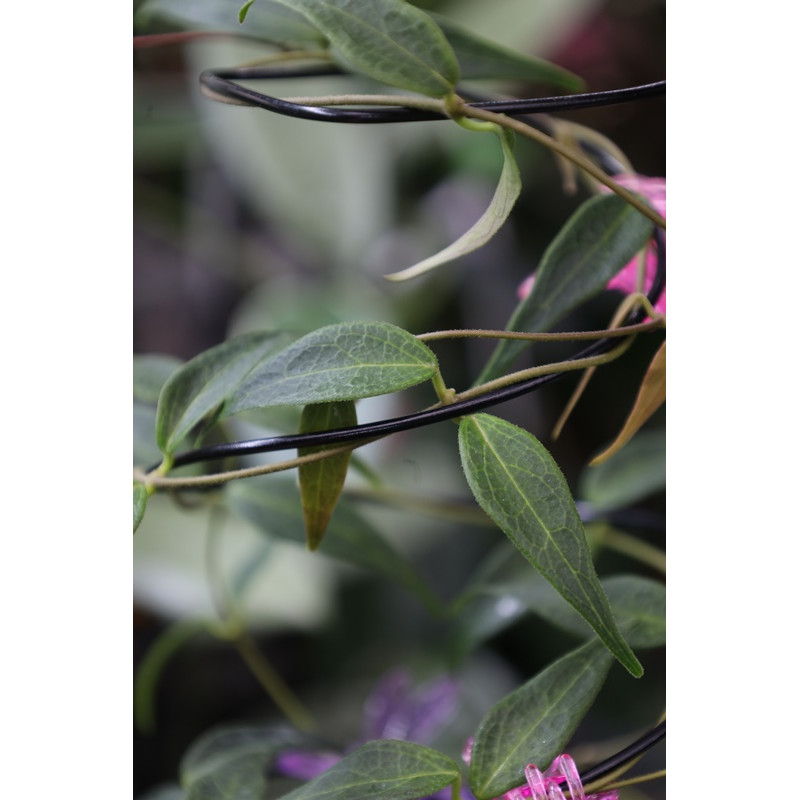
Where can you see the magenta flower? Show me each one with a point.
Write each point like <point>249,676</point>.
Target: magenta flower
<point>654,190</point>
<point>394,710</point>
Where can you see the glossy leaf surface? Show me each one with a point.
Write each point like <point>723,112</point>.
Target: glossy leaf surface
<point>519,485</point>
<point>389,40</point>
<point>535,722</point>
<point>598,240</point>
<point>486,227</point>
<point>201,385</point>
<point>273,505</point>
<point>338,362</point>
<point>266,20</point>
<point>481,58</point>
<point>387,768</point>
<point>651,396</point>
<point>321,482</point>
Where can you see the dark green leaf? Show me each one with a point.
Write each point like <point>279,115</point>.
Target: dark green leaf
<point>386,769</point>
<point>338,362</point>
<point>201,385</point>
<point>598,240</point>
<point>273,505</point>
<point>535,722</point>
<point>150,373</point>
<point>636,472</point>
<point>231,764</point>
<point>505,195</point>
<point>519,485</point>
<point>321,482</point>
<point>139,504</point>
<point>389,40</point>
<point>481,58</point>
<point>267,20</point>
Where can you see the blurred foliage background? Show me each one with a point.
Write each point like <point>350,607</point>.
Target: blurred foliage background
<point>245,220</point>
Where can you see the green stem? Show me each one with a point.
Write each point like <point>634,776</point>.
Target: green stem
<point>633,548</point>
<point>233,628</point>
<point>444,394</point>
<point>546,369</point>
<point>272,682</point>
<point>568,153</point>
<point>457,109</point>
<point>219,478</point>
<point>568,336</point>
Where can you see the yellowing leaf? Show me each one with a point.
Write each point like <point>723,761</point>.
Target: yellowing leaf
<point>321,481</point>
<point>652,393</point>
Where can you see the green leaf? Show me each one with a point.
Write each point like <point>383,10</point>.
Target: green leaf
<point>386,768</point>
<point>273,506</point>
<point>321,482</point>
<point>139,504</point>
<point>150,373</point>
<point>231,763</point>
<point>597,241</point>
<point>338,362</point>
<point>268,21</point>
<point>505,196</point>
<point>389,40</point>
<point>519,485</point>
<point>535,722</point>
<point>244,9</point>
<point>204,383</point>
<point>481,58</point>
<point>636,472</point>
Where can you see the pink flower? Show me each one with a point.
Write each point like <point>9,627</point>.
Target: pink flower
<point>654,190</point>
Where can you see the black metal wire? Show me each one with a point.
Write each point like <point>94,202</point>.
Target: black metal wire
<point>218,81</point>
<point>221,83</point>
<point>641,745</point>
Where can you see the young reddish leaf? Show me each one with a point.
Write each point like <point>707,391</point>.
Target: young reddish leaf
<point>652,393</point>
<point>321,481</point>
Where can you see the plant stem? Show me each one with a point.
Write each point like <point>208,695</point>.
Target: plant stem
<point>634,548</point>
<point>568,336</point>
<point>546,369</point>
<point>208,481</point>
<point>568,153</point>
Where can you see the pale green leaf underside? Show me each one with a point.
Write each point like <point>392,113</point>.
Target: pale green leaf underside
<point>387,768</point>
<point>389,40</point>
<point>338,362</point>
<point>267,20</point>
<point>481,58</point>
<point>505,196</point>
<point>597,241</point>
<point>534,723</point>
<point>519,485</point>
<point>203,383</point>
